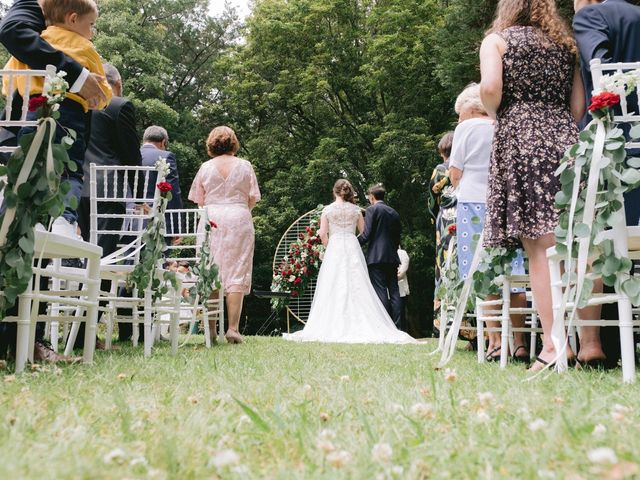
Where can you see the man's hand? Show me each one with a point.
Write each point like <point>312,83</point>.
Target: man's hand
<point>92,92</point>
<point>176,241</point>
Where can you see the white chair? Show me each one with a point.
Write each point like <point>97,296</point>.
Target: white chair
<point>50,247</point>
<point>626,244</point>
<point>188,226</point>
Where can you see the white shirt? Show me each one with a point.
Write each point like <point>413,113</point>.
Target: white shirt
<point>403,283</point>
<point>471,153</point>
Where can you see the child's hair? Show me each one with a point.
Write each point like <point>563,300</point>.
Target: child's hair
<point>55,11</point>
<point>445,144</point>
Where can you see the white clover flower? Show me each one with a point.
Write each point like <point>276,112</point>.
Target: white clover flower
<point>599,430</point>
<point>339,458</point>
<point>382,453</point>
<point>482,416</point>
<point>325,446</point>
<point>224,458</point>
<point>485,397</point>
<point>537,424</point>
<point>423,410</point>
<point>306,390</point>
<point>620,412</point>
<point>602,455</point>
<point>327,434</point>
<point>464,403</point>
<point>450,375</point>
<point>243,419</point>
<point>345,378</point>
<point>116,455</point>
<point>139,460</point>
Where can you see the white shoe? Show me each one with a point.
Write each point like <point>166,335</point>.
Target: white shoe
<point>63,228</point>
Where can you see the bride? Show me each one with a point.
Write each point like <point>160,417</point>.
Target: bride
<point>345,306</point>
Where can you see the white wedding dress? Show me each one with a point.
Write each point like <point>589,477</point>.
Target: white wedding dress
<point>345,306</point>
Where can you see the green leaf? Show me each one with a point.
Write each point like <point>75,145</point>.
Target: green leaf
<point>633,162</point>
<point>253,415</point>
<point>582,230</point>
<point>635,131</point>
<point>631,287</point>
<point>631,176</point>
<point>615,145</point>
<point>26,244</point>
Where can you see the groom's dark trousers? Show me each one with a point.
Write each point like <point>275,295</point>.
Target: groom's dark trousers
<point>382,232</point>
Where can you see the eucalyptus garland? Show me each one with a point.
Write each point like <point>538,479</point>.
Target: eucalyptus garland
<point>37,194</point>
<point>146,274</point>
<point>205,270</point>
<point>617,174</point>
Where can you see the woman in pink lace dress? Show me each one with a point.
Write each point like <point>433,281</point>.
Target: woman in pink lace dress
<point>227,187</point>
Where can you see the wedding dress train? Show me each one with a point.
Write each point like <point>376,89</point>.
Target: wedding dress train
<point>345,306</point>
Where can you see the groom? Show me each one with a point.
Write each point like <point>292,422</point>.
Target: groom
<point>382,233</point>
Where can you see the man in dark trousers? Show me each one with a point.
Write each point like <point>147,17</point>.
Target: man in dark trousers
<point>608,30</point>
<point>20,34</point>
<point>382,232</point>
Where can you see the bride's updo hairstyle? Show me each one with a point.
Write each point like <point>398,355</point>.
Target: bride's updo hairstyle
<point>344,190</point>
<point>222,140</point>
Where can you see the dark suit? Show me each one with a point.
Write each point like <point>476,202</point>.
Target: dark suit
<point>610,31</point>
<point>114,141</point>
<point>150,155</point>
<point>382,232</point>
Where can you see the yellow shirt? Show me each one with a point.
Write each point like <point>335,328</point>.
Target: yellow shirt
<point>73,45</point>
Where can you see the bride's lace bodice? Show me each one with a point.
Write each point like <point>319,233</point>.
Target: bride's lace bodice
<point>342,217</point>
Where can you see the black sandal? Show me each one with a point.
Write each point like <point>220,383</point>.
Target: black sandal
<point>490,357</point>
<point>548,365</point>
<point>522,358</point>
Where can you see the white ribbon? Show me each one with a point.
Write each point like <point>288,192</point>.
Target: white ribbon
<point>26,168</point>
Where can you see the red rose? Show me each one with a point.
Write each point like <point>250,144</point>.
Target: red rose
<point>604,100</point>
<point>294,294</point>
<point>36,102</point>
<point>297,281</point>
<point>451,230</point>
<point>212,224</point>
<point>164,187</point>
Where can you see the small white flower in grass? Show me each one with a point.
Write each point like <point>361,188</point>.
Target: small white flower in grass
<point>114,456</point>
<point>138,461</point>
<point>243,419</point>
<point>482,416</point>
<point>450,375</point>
<point>602,455</point>
<point>339,458</point>
<point>537,424</point>
<point>306,390</point>
<point>464,403</point>
<point>325,446</point>
<point>324,416</point>
<point>345,378</point>
<point>546,474</point>
<point>193,400</point>
<point>382,453</point>
<point>327,434</point>
<point>599,430</point>
<point>423,410</point>
<point>620,412</point>
<point>224,458</point>
<point>485,398</point>
<point>397,470</point>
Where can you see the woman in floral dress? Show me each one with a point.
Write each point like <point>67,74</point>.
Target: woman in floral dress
<point>532,86</point>
<point>442,207</point>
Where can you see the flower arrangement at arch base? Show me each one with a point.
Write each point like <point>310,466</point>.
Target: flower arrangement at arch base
<point>34,191</point>
<point>300,265</point>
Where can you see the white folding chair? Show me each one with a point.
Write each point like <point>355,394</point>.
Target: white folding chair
<point>188,226</point>
<point>626,242</point>
<point>82,301</point>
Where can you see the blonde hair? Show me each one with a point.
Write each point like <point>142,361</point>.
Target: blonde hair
<point>55,11</point>
<point>343,189</point>
<point>541,14</point>
<point>470,97</point>
<point>222,140</point>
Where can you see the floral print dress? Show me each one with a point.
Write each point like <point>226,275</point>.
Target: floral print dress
<point>534,128</point>
<point>442,206</point>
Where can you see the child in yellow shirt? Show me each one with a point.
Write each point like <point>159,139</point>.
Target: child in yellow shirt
<point>69,29</point>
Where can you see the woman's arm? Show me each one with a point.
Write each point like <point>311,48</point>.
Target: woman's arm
<point>360,223</point>
<point>455,174</point>
<point>491,51</point>
<point>578,107</point>
<point>324,230</point>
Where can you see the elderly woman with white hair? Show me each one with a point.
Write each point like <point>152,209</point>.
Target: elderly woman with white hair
<point>469,173</point>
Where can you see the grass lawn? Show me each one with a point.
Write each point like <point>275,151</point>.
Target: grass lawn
<point>273,409</point>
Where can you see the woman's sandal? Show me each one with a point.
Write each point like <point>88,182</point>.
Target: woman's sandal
<point>544,364</point>
<point>521,358</point>
<point>490,357</point>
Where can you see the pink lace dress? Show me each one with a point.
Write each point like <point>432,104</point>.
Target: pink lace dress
<point>227,203</point>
